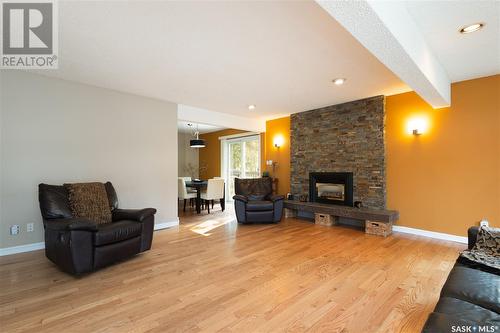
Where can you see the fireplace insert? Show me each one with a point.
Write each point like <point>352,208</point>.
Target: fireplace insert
<point>331,187</point>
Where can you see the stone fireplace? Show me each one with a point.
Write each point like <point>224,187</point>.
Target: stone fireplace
<point>335,139</point>
<point>334,188</point>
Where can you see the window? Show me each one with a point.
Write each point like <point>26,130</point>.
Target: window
<point>240,158</point>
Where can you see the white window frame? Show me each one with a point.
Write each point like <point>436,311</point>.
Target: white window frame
<point>224,142</point>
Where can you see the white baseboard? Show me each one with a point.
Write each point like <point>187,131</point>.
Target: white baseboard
<point>21,248</point>
<point>167,224</point>
<point>431,234</point>
<point>39,246</point>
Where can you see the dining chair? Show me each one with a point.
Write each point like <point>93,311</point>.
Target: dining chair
<point>190,189</point>
<point>182,192</point>
<point>215,191</point>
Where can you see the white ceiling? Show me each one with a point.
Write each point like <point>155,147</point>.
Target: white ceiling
<point>183,127</point>
<point>278,55</point>
<point>218,55</point>
<point>462,56</point>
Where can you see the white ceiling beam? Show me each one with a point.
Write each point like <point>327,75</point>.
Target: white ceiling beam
<point>389,32</point>
<point>208,117</point>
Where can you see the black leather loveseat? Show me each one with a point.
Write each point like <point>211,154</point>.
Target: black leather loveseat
<point>254,201</point>
<point>79,245</point>
<point>470,298</point>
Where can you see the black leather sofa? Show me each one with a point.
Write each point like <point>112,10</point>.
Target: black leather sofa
<point>78,245</point>
<point>469,298</point>
<point>254,201</point>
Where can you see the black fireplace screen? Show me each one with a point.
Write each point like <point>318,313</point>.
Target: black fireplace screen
<point>331,187</point>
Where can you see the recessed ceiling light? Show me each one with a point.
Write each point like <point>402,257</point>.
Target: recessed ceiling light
<point>471,28</point>
<point>339,81</point>
<point>251,107</point>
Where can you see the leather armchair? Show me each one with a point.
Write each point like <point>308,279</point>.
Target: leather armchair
<point>254,201</point>
<point>79,245</point>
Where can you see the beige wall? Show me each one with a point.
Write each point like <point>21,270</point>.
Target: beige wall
<point>56,131</point>
<point>187,157</point>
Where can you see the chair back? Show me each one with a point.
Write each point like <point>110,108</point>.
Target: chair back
<point>215,189</point>
<point>181,188</point>
<point>253,186</point>
<point>54,201</point>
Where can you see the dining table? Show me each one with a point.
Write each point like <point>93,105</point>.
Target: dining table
<point>200,185</point>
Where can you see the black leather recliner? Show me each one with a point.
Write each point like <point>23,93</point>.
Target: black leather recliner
<point>79,245</point>
<point>254,201</point>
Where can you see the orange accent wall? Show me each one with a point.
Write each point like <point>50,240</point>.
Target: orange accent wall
<point>210,156</point>
<point>448,178</point>
<point>279,127</point>
<point>444,180</point>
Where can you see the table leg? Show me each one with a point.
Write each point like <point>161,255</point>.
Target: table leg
<point>198,201</point>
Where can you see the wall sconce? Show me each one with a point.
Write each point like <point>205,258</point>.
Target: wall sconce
<point>417,126</point>
<point>278,141</point>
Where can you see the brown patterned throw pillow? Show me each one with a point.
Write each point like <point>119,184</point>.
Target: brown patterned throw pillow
<point>89,200</point>
<point>486,251</point>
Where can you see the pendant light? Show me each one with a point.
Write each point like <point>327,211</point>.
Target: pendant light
<point>196,143</point>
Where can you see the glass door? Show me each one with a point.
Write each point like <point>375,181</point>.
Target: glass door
<point>240,159</point>
<point>234,170</point>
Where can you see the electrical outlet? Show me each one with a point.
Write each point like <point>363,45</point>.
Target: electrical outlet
<point>484,223</point>
<point>14,229</point>
<point>30,227</point>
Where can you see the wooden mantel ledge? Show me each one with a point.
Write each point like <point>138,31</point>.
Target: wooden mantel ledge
<point>379,215</point>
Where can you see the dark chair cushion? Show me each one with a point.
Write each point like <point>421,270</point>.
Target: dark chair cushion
<point>108,233</point>
<point>109,254</point>
<point>256,197</point>
<point>255,206</point>
<point>473,286</point>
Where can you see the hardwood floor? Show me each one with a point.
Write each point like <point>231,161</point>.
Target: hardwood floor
<point>210,275</point>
